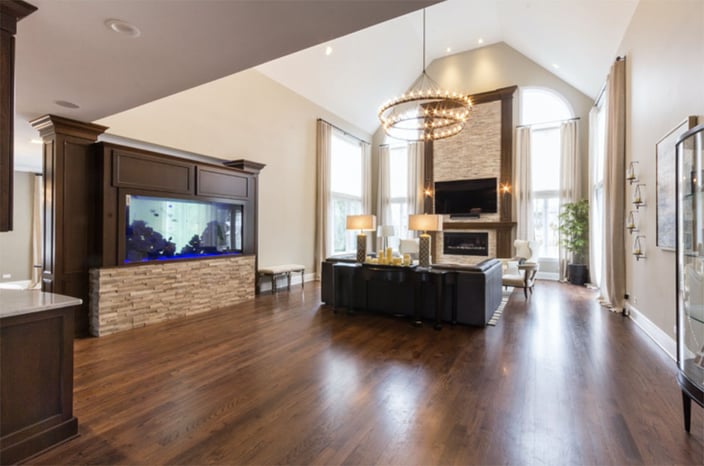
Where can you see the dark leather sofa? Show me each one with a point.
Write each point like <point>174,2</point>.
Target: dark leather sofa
<point>473,292</point>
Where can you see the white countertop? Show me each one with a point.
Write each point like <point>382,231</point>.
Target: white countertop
<point>20,302</point>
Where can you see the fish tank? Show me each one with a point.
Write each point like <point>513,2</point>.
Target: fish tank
<point>165,229</point>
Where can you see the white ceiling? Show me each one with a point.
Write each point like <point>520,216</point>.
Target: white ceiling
<point>65,52</point>
<point>368,67</point>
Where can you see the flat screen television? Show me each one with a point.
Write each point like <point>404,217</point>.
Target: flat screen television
<point>466,197</point>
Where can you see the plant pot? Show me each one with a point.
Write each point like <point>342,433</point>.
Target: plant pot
<point>577,274</point>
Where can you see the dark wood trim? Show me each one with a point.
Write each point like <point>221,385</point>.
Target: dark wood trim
<point>506,175</point>
<point>11,11</point>
<point>254,168</point>
<point>477,225</point>
<point>71,204</point>
<point>490,96</point>
<point>51,125</point>
<point>245,165</point>
<point>428,178</point>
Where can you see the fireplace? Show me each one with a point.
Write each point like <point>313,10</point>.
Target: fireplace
<point>466,244</point>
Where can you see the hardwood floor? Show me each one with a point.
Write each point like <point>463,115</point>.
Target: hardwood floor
<point>283,380</point>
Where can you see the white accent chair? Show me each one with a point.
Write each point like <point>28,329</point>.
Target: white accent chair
<point>409,246</point>
<point>520,270</point>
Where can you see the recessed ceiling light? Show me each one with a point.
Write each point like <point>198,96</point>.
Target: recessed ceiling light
<point>123,27</point>
<point>66,104</point>
<point>480,41</point>
<point>448,50</point>
<point>328,50</point>
<point>36,141</point>
<point>556,66</point>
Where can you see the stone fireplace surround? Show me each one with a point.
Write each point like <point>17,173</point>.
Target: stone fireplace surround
<point>466,243</point>
<point>484,149</point>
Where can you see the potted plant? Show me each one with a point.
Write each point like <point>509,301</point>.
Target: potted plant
<point>574,236</point>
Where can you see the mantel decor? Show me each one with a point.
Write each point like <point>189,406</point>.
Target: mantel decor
<point>426,112</point>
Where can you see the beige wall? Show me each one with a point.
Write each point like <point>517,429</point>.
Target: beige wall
<point>664,46</point>
<point>497,66</point>
<point>16,245</point>
<point>249,116</point>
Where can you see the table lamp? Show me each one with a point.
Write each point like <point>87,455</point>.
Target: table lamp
<point>384,232</point>
<point>424,223</point>
<point>361,223</point>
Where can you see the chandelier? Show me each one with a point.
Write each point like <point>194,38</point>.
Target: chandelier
<point>426,112</point>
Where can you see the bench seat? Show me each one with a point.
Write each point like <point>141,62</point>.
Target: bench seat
<point>275,272</point>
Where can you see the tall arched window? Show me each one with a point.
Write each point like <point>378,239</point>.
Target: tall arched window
<point>544,110</point>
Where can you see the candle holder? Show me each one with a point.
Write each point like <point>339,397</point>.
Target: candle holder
<point>637,248</point>
<point>631,175</point>
<point>637,197</point>
<point>632,222</point>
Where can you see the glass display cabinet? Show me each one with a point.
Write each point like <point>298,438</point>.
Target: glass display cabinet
<point>690,268</point>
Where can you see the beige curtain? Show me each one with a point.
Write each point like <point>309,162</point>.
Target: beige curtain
<point>614,280</point>
<point>595,271</point>
<point>383,186</point>
<point>37,230</point>
<point>323,237</point>
<point>367,188</point>
<point>523,187</point>
<point>570,178</point>
<point>416,176</point>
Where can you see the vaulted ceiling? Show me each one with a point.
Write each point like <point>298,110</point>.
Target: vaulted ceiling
<point>65,52</point>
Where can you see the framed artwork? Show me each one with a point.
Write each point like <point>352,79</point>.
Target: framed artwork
<point>665,179</point>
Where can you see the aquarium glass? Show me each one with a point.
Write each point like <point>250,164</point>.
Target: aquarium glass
<point>162,229</point>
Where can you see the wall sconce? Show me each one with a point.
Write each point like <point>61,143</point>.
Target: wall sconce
<point>631,175</point>
<point>428,192</point>
<point>505,188</point>
<point>638,252</point>
<point>637,197</point>
<point>632,222</point>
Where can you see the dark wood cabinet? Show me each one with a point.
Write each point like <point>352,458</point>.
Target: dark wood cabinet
<point>86,185</point>
<point>141,171</point>
<point>36,393</point>
<point>11,11</point>
<point>220,183</point>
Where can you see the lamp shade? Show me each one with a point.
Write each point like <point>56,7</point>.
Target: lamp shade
<point>425,222</point>
<point>361,222</point>
<point>386,230</point>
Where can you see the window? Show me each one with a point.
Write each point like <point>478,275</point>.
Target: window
<point>398,203</point>
<point>544,110</point>
<point>597,176</point>
<point>346,189</point>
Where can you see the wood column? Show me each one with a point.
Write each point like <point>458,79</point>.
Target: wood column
<point>253,220</point>
<point>11,11</point>
<point>70,208</point>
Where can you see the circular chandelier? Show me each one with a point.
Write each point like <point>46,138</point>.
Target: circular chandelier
<point>425,112</point>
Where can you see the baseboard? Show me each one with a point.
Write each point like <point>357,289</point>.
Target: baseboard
<point>547,276</point>
<point>281,282</point>
<point>662,339</point>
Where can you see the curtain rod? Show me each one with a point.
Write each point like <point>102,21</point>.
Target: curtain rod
<point>603,86</point>
<point>548,122</point>
<point>346,133</point>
